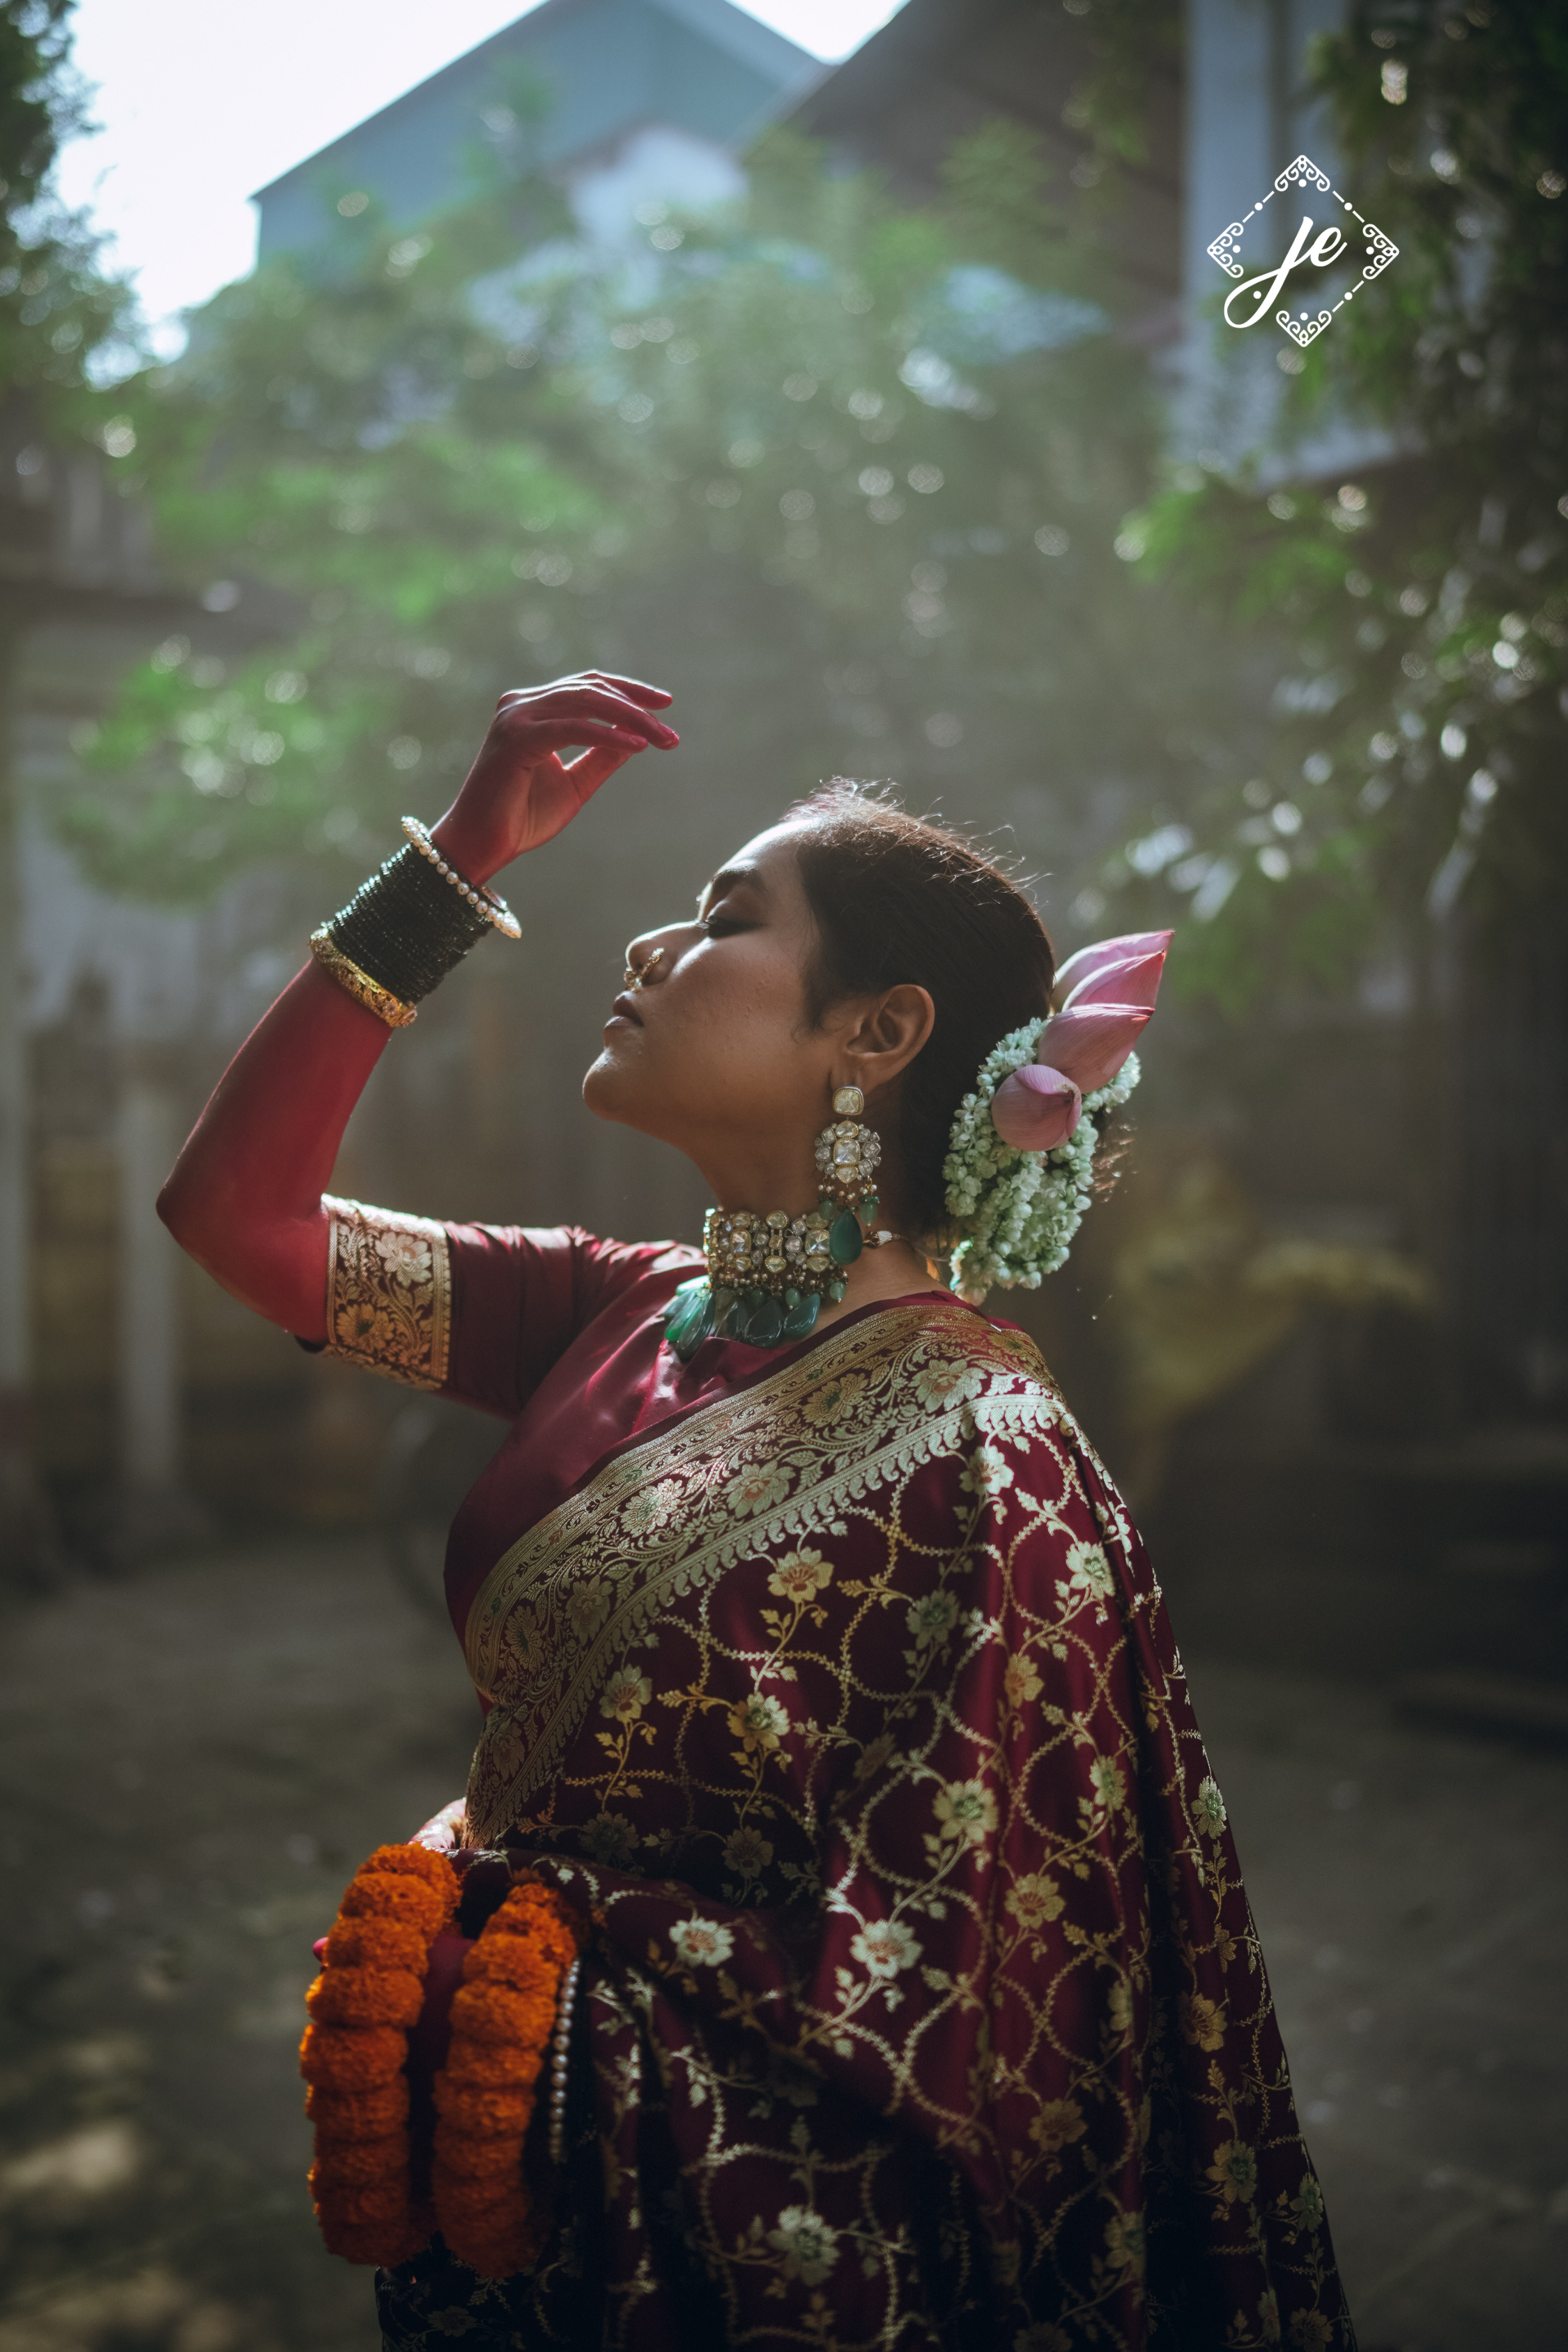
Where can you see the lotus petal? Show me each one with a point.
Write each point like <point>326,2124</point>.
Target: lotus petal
<point>1136,981</point>
<point>1089,1044</point>
<point>1103,952</point>
<point>1035,1109</point>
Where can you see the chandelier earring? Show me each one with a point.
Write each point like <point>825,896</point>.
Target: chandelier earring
<point>769,1273</point>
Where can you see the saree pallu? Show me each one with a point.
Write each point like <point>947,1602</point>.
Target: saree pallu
<point>925,2008</point>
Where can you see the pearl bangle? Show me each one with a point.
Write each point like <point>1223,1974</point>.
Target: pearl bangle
<point>494,909</point>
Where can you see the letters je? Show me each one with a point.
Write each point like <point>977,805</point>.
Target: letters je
<point>1326,247</point>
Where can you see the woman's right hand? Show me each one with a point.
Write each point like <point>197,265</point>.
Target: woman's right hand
<point>520,791</point>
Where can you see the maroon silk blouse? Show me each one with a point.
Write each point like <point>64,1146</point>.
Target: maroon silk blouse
<point>563,1334</point>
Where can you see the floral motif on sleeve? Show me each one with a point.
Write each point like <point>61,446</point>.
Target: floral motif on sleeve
<point>389,1293</point>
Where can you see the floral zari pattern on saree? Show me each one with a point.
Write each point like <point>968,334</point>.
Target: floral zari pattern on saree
<point>927,2008</point>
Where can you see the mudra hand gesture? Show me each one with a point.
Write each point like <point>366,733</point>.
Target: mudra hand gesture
<point>520,791</point>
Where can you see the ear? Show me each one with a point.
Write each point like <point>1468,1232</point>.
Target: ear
<point>1103,953</point>
<point>1089,1044</point>
<point>1135,982</point>
<point>1035,1109</point>
<point>884,1035</point>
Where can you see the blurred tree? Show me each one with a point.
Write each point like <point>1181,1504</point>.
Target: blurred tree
<point>1402,739</point>
<point>64,321</point>
<point>871,458</point>
<point>61,318</point>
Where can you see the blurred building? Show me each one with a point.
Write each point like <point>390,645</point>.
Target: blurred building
<point>620,101</point>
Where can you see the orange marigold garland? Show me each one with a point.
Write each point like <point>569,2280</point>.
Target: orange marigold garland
<point>356,2047</point>
<point>503,2020</point>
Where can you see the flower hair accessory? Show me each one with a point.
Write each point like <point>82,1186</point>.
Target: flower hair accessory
<point>1022,1147</point>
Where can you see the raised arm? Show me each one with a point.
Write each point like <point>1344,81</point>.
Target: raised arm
<point>245,1197</point>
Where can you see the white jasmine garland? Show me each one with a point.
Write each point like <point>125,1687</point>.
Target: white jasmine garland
<point>1018,1211</point>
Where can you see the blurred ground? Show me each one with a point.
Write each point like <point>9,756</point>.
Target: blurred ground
<point>196,1760</point>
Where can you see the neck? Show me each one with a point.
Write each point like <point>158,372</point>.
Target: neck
<point>894,1272</point>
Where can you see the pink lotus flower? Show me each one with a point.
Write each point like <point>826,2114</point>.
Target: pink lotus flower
<point>1106,994</point>
<point>1035,1109</point>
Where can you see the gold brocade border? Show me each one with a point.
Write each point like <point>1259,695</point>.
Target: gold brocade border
<point>389,1292</point>
<point>665,1519</point>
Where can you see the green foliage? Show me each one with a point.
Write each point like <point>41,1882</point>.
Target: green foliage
<point>1403,741</point>
<point>786,454</point>
<point>58,312</point>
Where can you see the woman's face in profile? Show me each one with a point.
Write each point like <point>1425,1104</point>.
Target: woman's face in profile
<point>715,1047</point>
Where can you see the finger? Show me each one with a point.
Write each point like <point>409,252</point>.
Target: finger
<point>601,703</point>
<point>652,698</point>
<point>544,735</point>
<point>634,689</point>
<point>591,769</point>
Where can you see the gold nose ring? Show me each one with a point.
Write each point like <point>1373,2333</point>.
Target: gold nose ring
<point>637,978</point>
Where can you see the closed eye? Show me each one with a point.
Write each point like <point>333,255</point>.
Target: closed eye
<point>723,927</point>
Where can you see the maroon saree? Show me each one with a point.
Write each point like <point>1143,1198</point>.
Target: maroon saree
<point>925,2008</point>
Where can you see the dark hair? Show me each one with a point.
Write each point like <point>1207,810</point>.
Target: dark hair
<point>898,899</point>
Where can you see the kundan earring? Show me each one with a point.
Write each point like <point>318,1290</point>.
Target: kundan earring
<point>768,1274</point>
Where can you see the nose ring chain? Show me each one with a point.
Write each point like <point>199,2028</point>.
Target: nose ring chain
<point>637,978</point>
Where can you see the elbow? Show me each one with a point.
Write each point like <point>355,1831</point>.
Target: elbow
<point>177,1210</point>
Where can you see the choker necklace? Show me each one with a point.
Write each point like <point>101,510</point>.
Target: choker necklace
<point>769,1273</point>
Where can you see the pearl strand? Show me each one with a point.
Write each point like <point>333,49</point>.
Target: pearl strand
<point>494,909</point>
<point>559,2052</point>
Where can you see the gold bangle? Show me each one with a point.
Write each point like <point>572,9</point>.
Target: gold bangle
<point>359,985</point>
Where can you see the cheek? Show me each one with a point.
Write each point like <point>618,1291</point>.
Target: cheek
<point>741,1022</point>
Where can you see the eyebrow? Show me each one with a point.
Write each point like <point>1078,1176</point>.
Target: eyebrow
<point>729,878</point>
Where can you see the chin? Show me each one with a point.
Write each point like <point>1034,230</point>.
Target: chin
<point>610,1088</point>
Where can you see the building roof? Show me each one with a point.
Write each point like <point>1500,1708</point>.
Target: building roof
<point>606,66</point>
<point>942,68</point>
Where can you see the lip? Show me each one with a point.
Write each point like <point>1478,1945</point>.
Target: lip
<point>625,1009</point>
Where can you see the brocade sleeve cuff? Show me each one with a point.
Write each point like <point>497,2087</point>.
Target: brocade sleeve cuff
<point>389,1293</point>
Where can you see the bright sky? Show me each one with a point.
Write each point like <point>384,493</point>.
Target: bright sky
<point>202,101</point>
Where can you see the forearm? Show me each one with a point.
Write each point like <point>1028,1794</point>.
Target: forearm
<point>245,1197</point>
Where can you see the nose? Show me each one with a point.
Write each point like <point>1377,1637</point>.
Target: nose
<point>650,957</point>
<point>641,962</point>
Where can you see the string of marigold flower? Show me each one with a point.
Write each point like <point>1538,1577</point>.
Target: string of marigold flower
<point>356,2050</point>
<point>503,2017</point>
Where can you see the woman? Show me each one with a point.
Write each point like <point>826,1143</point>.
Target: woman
<point>822,1671</point>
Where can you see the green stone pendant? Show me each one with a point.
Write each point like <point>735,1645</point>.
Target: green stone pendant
<point>733,1326</point>
<point>800,1318</point>
<point>688,1328</point>
<point>843,1238</point>
<point>685,1311</point>
<point>766,1325</point>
